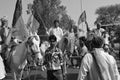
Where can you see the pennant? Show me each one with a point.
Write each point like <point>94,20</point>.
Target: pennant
<point>32,24</point>
<point>35,25</point>
<point>82,18</point>
<point>18,23</point>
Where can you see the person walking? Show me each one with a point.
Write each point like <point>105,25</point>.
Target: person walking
<point>53,60</point>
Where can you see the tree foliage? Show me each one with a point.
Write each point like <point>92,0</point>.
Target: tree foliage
<point>108,14</point>
<point>46,11</point>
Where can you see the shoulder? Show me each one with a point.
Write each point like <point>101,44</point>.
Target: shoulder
<point>102,30</point>
<point>87,61</point>
<point>112,59</point>
<point>51,29</point>
<point>58,50</point>
<point>47,50</point>
<point>88,58</point>
<point>59,28</point>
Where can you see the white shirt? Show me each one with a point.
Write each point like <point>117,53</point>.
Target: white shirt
<point>57,32</point>
<point>98,32</point>
<point>106,62</point>
<point>106,39</point>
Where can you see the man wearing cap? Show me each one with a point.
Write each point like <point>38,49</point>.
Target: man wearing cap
<point>53,60</point>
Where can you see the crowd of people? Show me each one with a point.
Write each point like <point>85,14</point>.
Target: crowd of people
<point>95,61</point>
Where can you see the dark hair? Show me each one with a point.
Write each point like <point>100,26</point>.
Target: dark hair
<point>98,25</point>
<point>82,38</point>
<point>52,38</point>
<point>97,42</point>
<point>56,21</point>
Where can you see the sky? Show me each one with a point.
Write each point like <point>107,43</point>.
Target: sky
<point>74,8</point>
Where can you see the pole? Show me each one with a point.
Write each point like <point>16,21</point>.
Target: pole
<point>81,5</point>
<point>81,23</point>
<point>81,10</point>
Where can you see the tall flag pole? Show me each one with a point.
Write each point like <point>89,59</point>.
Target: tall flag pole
<point>79,18</point>
<point>81,5</point>
<point>17,12</point>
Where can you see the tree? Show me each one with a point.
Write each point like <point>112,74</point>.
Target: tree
<point>46,11</point>
<point>108,14</point>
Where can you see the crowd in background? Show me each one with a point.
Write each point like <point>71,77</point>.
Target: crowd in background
<point>90,54</point>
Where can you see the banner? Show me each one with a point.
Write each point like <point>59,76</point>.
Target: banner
<point>18,23</point>
<point>82,18</point>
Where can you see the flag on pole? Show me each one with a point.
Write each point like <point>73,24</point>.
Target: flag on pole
<point>35,25</point>
<point>32,23</point>
<point>18,23</point>
<point>82,18</point>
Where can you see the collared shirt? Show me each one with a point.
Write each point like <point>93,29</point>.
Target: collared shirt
<point>53,59</point>
<point>106,62</point>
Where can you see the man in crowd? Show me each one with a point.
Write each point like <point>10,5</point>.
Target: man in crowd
<point>98,65</point>
<point>98,31</point>
<point>71,37</point>
<point>56,30</point>
<point>53,60</point>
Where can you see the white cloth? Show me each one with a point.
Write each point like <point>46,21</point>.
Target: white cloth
<point>106,39</point>
<point>71,37</point>
<point>106,62</point>
<point>99,32</point>
<point>36,41</point>
<point>57,32</point>
<point>2,69</point>
<point>36,47</point>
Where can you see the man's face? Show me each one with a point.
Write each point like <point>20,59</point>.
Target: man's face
<point>56,24</point>
<point>53,43</point>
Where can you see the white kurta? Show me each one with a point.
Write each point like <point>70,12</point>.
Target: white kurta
<point>106,62</point>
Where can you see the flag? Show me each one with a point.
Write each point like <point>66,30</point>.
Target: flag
<point>35,25</point>
<point>21,31</point>
<point>32,23</point>
<point>82,18</point>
